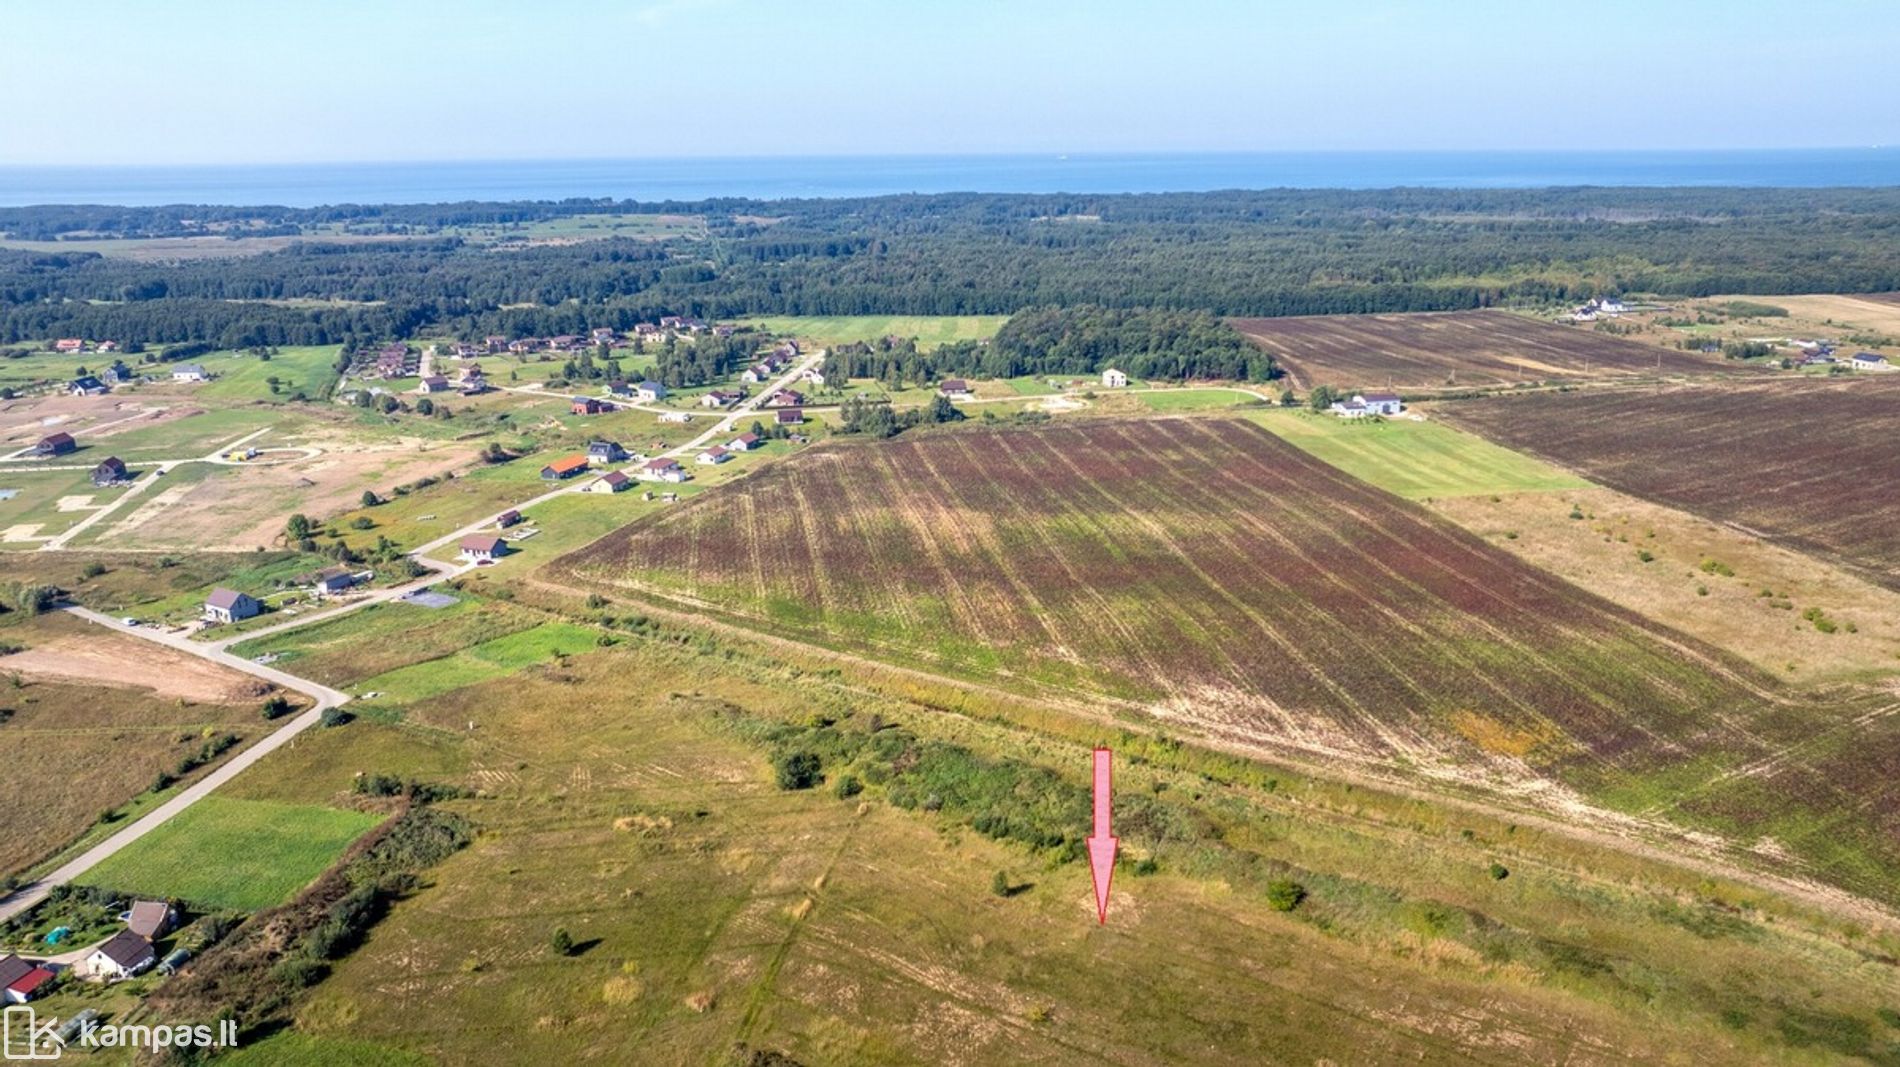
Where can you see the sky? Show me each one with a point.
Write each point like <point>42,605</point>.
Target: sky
<point>257,81</point>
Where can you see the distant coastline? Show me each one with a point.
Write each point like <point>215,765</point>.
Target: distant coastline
<point>310,185</point>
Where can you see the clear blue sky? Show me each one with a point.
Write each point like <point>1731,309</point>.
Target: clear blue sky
<point>204,81</point>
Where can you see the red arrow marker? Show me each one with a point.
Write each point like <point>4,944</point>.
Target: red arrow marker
<point>1102,844</point>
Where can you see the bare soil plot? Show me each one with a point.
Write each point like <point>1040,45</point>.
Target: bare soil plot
<point>87,418</point>
<point>94,655</point>
<point>1812,463</point>
<point>1454,348</point>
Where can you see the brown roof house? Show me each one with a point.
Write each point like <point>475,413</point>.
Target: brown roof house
<point>20,979</point>
<point>55,444</point>
<point>229,605</point>
<point>110,471</point>
<point>483,548</point>
<point>151,919</point>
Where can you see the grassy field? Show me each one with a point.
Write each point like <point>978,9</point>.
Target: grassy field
<point>929,330</point>
<point>479,662</point>
<point>93,751</point>
<point>1416,460</point>
<point>244,378</point>
<point>1169,401</point>
<point>713,909</point>
<point>237,854</point>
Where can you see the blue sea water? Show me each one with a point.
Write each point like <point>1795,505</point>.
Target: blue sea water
<point>306,185</point>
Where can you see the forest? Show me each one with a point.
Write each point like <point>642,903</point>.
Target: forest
<point>1278,252</point>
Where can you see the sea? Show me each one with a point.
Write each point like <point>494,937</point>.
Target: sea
<point>778,177</point>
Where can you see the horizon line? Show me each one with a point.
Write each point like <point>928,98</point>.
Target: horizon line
<point>1051,155</point>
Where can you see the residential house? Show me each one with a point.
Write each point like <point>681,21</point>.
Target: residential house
<point>495,344</point>
<point>671,322</point>
<point>955,389</point>
<point>87,385</point>
<point>68,345</point>
<point>721,398</point>
<point>663,470</point>
<point>714,455</point>
<point>676,416</point>
<point>691,324</point>
<point>815,376</point>
<point>745,442</point>
<point>1382,403</point>
<point>646,329</point>
<point>110,472</point>
<point>785,398</point>
<point>464,350</point>
<point>790,417</point>
<point>586,405</point>
<point>124,955</point>
<point>474,382</point>
<point>190,372</point>
<point>434,383</point>
<point>604,336</point>
<point>333,580</point>
<point>620,387</point>
<point>20,980</point>
<point>1870,361</point>
<point>107,346</point>
<point>229,605</point>
<point>649,392</point>
<point>483,548</point>
<point>508,518</point>
<point>524,346</point>
<point>722,330</point>
<point>119,374</point>
<point>566,342</point>
<point>605,452</point>
<point>55,444</point>
<point>565,467</point>
<point>1114,379</point>
<point>610,482</point>
<point>151,919</point>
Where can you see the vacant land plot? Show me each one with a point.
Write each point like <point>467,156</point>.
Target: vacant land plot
<point>1455,348</point>
<point>82,750</point>
<point>1703,577</point>
<point>489,659</point>
<point>1201,567</point>
<point>1810,464</point>
<point>929,330</point>
<point>65,650</point>
<point>711,908</point>
<point>1415,459</point>
<point>238,854</point>
<point>1213,576</point>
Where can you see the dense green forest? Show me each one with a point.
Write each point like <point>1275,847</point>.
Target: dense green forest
<point>1236,253</point>
<point>1082,339</point>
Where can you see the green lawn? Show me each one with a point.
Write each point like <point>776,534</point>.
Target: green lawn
<point>478,663</point>
<point>291,1049</point>
<point>1194,399</point>
<point>929,330</point>
<point>310,370</point>
<point>244,855</point>
<point>1418,460</point>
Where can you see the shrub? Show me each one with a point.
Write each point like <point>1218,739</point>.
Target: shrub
<point>1499,872</point>
<point>92,570</point>
<point>798,770</point>
<point>336,717</point>
<point>276,707</point>
<point>562,942</point>
<point>999,883</point>
<point>849,786</point>
<point>1284,894</point>
<point>1717,567</point>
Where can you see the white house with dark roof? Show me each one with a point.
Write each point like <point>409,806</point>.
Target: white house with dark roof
<point>483,548</point>
<point>664,469</point>
<point>611,482</point>
<point>190,372</point>
<point>124,955</point>
<point>1870,361</point>
<point>1114,379</point>
<point>649,392</point>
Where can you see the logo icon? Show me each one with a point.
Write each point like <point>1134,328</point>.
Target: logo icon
<point>26,1038</point>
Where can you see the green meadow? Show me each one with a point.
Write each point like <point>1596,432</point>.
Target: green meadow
<point>1418,460</point>
<point>244,855</point>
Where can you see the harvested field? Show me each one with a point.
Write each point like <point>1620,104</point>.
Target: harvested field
<point>1811,464</point>
<point>1202,568</point>
<point>1207,573</point>
<point>1455,348</point>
